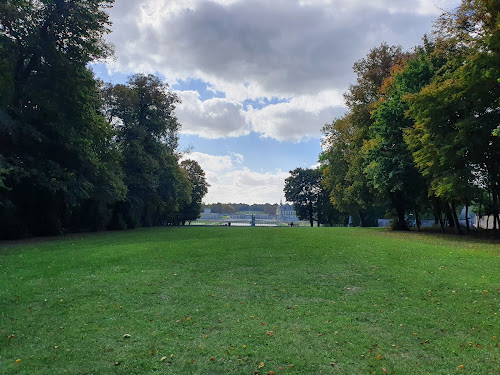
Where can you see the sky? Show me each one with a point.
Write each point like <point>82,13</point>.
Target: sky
<point>258,79</point>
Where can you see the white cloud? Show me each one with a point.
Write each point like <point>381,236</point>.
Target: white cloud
<point>257,48</point>
<point>215,163</point>
<point>244,185</point>
<point>230,181</point>
<point>213,118</point>
<point>301,117</point>
<point>250,49</point>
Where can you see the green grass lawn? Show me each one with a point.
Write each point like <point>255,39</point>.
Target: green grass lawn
<point>250,300</point>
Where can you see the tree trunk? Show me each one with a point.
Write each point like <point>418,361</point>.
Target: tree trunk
<point>397,203</point>
<point>417,219</point>
<point>401,224</point>
<point>455,218</point>
<point>495,211</point>
<point>467,216</point>
<point>450,217</point>
<point>437,211</point>
<point>361,218</point>
<point>479,213</point>
<point>311,216</point>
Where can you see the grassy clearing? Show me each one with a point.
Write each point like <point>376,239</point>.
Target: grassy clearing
<point>240,300</point>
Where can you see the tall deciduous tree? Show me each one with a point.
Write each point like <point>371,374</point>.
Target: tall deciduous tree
<point>143,114</point>
<point>199,188</point>
<point>457,113</point>
<point>345,163</point>
<point>343,168</point>
<point>391,169</point>
<point>58,167</point>
<point>303,188</point>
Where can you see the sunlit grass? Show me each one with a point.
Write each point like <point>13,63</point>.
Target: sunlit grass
<point>240,300</point>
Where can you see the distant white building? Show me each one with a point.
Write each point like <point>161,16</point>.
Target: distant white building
<point>286,212</point>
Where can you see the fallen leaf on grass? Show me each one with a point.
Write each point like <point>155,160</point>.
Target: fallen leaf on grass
<point>261,365</point>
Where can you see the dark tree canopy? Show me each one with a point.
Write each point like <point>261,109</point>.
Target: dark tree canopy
<point>58,166</point>
<point>303,189</point>
<point>420,131</point>
<point>142,112</point>
<point>75,156</point>
<point>199,188</point>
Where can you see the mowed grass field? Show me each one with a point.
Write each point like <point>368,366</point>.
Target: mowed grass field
<point>250,301</point>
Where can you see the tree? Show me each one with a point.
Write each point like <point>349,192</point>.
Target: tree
<point>303,189</point>
<point>343,168</point>
<point>345,164</point>
<point>456,114</point>
<point>58,166</point>
<point>391,169</point>
<point>326,212</point>
<point>270,209</point>
<point>142,112</point>
<point>199,188</point>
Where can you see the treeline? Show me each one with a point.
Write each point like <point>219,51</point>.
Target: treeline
<point>231,208</point>
<point>420,133</point>
<point>76,154</point>
<point>305,187</point>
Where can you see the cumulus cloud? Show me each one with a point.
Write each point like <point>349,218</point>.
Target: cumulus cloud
<point>231,181</point>
<point>215,163</point>
<point>295,120</point>
<point>213,118</point>
<point>300,118</point>
<point>255,48</point>
<point>250,49</point>
<point>244,185</point>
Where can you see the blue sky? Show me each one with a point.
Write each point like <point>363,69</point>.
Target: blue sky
<point>258,79</point>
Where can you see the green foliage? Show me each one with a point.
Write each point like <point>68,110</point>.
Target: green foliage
<point>457,113</point>
<point>64,166</point>
<point>303,188</point>
<point>391,169</point>
<point>343,168</point>
<point>421,126</point>
<point>147,135</point>
<point>344,164</point>
<point>199,188</point>
<point>56,152</point>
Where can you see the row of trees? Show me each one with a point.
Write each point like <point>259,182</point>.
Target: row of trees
<point>420,131</point>
<point>76,154</point>
<point>310,199</point>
